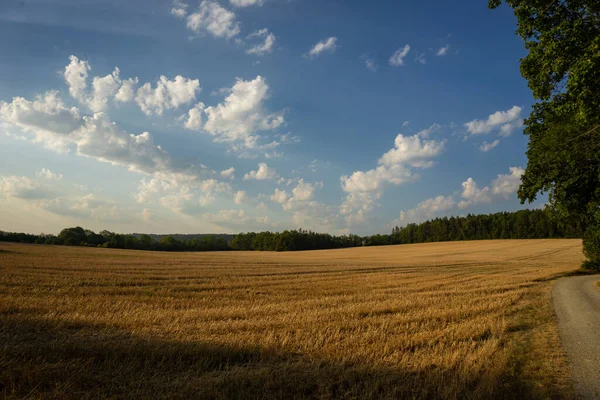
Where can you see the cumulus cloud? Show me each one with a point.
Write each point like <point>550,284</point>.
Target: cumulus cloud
<point>181,195</point>
<point>262,173</point>
<point>485,146</point>
<point>414,151</point>
<point>267,44</point>
<point>505,121</point>
<point>280,196</point>
<point>473,195</point>
<point>194,117</point>
<point>213,19</point>
<point>246,3</point>
<point>46,113</point>
<point>427,209</point>
<point>300,198</point>
<point>374,179</point>
<point>87,207</point>
<point>103,88</point>
<point>21,187</point>
<point>179,9</point>
<point>328,45</point>
<point>397,59</point>
<point>240,197</point>
<point>228,173</point>
<point>75,75</point>
<point>442,51</point>
<point>505,185</point>
<point>167,94</point>
<point>47,174</point>
<point>365,188</point>
<point>243,114</point>
<point>126,92</point>
<point>58,127</point>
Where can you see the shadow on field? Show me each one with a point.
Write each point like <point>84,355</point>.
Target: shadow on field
<point>66,359</point>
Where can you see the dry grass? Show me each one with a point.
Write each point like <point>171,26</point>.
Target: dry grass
<point>451,320</point>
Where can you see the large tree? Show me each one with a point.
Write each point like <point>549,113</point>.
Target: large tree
<point>562,68</point>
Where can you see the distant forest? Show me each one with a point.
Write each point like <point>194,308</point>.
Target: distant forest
<point>524,224</point>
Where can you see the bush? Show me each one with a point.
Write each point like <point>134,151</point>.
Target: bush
<point>591,247</point>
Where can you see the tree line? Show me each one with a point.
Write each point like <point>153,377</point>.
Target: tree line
<point>524,224</point>
<point>78,236</point>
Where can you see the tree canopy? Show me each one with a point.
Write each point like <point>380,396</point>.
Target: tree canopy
<point>524,224</point>
<point>562,69</point>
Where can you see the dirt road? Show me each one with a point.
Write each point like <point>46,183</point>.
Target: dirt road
<point>577,303</point>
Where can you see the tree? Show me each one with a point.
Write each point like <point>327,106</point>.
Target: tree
<point>73,236</point>
<point>562,68</point>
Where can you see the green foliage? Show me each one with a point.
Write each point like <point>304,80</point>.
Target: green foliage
<point>294,240</point>
<point>525,224</point>
<point>591,248</point>
<point>562,68</point>
<point>73,236</point>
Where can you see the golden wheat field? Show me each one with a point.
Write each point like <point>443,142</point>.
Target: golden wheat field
<point>446,320</point>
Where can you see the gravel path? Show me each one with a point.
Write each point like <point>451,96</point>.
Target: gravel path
<point>577,303</point>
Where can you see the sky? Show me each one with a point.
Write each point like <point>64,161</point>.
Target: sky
<point>250,115</point>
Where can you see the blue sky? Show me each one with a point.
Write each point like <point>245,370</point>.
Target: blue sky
<point>237,115</point>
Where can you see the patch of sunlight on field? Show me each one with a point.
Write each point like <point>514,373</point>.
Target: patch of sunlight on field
<point>452,320</point>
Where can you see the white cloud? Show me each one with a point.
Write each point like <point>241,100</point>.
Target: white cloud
<point>194,117</point>
<point>374,179</point>
<point>102,139</point>
<point>263,173</point>
<point>179,9</point>
<point>267,44</point>
<point>46,173</point>
<point>425,133</point>
<point>485,146</point>
<point>397,59</point>
<point>234,219</point>
<point>427,209</point>
<point>420,58</point>
<point>365,188</point>
<point>57,127</point>
<point>505,120</point>
<point>246,3</point>
<point>473,194</point>
<point>328,45</point>
<point>507,129</point>
<point>214,19</point>
<point>21,187</point>
<point>47,117</point>
<point>505,185</point>
<point>303,191</point>
<point>228,173</point>
<point>370,63</point>
<point>126,92</point>
<point>443,50</point>
<point>280,196</point>
<point>243,114</point>
<point>167,94</point>
<point>414,151</point>
<point>240,197</point>
<point>103,89</point>
<point>75,75</point>
<point>300,198</point>
<point>87,207</point>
